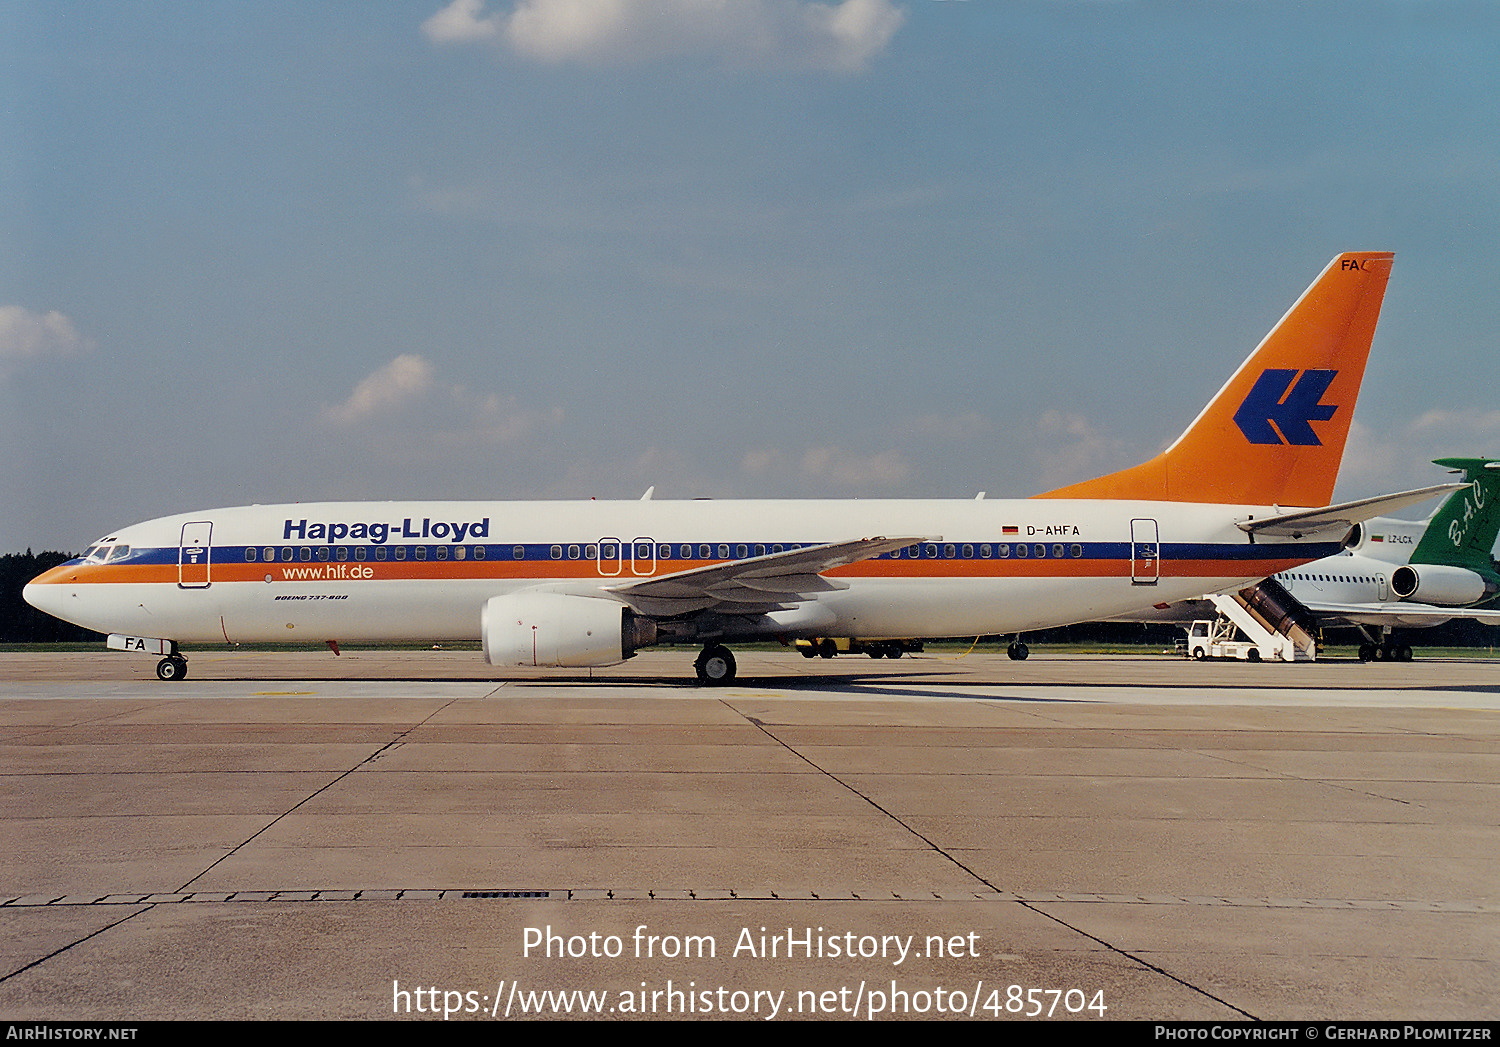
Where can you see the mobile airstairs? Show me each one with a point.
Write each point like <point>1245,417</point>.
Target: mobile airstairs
<point>1261,623</point>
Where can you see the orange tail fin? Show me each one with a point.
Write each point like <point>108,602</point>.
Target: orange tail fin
<point>1274,435</point>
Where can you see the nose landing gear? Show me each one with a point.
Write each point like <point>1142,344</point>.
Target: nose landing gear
<point>172,667</point>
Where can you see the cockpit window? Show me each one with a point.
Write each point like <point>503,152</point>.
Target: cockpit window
<point>101,550</point>
<point>119,553</point>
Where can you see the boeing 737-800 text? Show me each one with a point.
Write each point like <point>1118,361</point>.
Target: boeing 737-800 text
<point>589,583</point>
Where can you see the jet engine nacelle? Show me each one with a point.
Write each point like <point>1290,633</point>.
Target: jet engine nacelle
<point>560,629</point>
<point>1442,586</point>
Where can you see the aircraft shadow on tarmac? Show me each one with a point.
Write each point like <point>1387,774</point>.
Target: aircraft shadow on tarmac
<point>944,683</point>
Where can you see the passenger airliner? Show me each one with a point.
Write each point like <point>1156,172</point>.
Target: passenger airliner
<point>1233,500</point>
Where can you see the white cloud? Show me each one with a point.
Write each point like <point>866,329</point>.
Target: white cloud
<point>1472,423</point>
<point>854,471</point>
<point>492,421</point>
<point>839,36</point>
<point>460,23</point>
<point>1069,448</point>
<point>819,468</point>
<point>952,428</point>
<point>399,382</point>
<point>403,402</point>
<point>1393,458</point>
<point>27,336</point>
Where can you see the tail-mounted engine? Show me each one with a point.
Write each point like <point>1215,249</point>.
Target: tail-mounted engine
<point>1439,585</point>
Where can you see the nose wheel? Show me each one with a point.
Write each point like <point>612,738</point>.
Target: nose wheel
<point>172,667</point>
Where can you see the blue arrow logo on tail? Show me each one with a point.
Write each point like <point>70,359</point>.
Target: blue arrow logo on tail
<point>1292,408</point>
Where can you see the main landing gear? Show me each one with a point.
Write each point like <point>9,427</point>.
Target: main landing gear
<point>1385,652</point>
<point>1018,651</point>
<point>715,665</point>
<point>172,667</point>
<point>1385,648</point>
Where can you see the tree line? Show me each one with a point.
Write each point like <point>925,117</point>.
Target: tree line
<point>19,621</point>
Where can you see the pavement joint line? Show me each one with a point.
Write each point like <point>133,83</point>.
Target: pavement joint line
<point>720,894</point>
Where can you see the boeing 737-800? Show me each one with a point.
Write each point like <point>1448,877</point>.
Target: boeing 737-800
<point>589,583</point>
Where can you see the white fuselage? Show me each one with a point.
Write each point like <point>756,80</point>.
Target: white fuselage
<point>389,571</point>
<point>1348,579</point>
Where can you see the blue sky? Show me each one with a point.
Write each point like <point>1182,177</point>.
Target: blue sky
<point>747,248</point>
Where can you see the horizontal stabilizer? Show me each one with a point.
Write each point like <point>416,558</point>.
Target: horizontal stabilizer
<point>1309,523</point>
<point>1403,612</point>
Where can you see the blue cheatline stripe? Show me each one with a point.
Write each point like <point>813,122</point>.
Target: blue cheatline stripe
<point>1169,552</point>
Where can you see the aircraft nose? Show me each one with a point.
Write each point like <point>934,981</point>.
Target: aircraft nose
<point>46,592</point>
<point>37,596</point>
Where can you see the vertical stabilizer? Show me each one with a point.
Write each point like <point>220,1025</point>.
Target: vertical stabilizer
<point>1463,530</point>
<point>1275,433</point>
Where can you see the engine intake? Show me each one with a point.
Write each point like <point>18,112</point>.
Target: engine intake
<point>1435,584</point>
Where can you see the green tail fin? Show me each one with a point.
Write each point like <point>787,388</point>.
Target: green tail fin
<point>1462,532</point>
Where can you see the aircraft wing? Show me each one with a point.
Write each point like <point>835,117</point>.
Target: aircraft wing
<point>1401,612</point>
<point>1392,613</point>
<point>1337,519</point>
<point>755,585</point>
